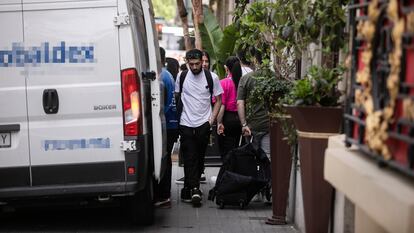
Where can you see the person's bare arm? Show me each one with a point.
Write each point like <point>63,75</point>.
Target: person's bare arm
<point>241,112</point>
<point>220,126</point>
<point>216,109</point>
<point>242,116</point>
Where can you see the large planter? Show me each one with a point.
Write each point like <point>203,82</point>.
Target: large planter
<point>281,166</point>
<point>314,125</point>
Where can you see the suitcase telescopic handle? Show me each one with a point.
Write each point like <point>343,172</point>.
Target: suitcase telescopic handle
<point>241,138</point>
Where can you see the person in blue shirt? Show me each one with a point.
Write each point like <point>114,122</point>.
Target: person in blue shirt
<point>163,189</point>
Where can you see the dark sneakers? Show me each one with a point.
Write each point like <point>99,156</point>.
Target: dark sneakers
<point>186,195</point>
<point>193,196</point>
<point>196,196</point>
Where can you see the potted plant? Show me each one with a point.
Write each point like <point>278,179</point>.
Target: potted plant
<point>271,90</point>
<point>317,114</point>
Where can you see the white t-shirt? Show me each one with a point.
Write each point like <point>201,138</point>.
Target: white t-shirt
<point>195,96</point>
<point>245,70</point>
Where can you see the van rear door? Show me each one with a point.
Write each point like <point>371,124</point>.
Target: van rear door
<point>158,118</point>
<point>14,147</point>
<point>74,92</point>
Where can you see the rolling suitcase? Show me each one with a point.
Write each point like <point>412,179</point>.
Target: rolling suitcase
<point>245,171</point>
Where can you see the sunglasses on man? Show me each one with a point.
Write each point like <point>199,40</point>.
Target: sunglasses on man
<point>193,56</point>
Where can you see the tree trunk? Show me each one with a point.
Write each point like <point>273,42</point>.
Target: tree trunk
<point>198,19</point>
<point>183,15</point>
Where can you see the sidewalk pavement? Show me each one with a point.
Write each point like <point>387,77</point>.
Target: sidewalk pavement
<point>183,218</point>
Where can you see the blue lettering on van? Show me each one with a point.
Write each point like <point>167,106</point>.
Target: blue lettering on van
<point>19,56</point>
<point>75,144</point>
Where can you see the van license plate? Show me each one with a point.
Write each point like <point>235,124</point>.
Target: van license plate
<point>5,140</point>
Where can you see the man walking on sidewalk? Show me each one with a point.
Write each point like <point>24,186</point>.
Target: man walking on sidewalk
<point>206,65</point>
<point>194,90</point>
<point>256,123</point>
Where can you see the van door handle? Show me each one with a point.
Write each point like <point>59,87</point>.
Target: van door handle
<point>50,101</point>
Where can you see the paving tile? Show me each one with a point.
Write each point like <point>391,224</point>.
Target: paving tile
<point>183,218</point>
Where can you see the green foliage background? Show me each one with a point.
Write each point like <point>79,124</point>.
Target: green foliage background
<point>219,43</point>
<point>165,8</point>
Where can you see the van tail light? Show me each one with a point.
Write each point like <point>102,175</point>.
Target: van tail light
<point>159,27</point>
<point>159,30</point>
<point>131,102</point>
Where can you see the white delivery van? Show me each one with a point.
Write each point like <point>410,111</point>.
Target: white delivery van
<point>80,101</point>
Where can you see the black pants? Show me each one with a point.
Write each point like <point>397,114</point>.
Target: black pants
<point>232,133</point>
<point>163,189</point>
<point>194,142</point>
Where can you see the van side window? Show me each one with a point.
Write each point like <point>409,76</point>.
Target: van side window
<point>140,33</point>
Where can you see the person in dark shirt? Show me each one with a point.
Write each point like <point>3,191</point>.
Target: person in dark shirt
<point>163,189</point>
<point>256,123</point>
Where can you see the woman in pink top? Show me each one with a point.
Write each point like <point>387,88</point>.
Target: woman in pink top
<point>228,123</point>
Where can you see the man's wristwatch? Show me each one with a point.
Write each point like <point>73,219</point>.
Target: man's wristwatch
<point>244,124</point>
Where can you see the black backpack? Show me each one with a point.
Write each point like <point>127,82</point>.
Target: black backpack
<point>178,97</point>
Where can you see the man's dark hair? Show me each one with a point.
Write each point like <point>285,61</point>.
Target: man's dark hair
<point>194,54</point>
<point>241,54</point>
<point>162,53</point>
<point>172,66</point>
<point>260,55</point>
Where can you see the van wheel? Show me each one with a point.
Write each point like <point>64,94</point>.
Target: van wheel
<point>141,205</point>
